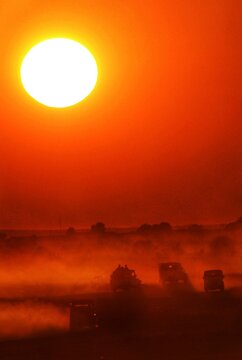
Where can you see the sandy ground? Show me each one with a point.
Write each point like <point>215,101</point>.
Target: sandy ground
<point>124,346</point>
<point>191,326</point>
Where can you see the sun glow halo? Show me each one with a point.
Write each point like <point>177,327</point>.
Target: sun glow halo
<point>59,72</point>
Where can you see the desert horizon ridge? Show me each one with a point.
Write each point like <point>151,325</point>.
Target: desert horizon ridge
<point>173,226</point>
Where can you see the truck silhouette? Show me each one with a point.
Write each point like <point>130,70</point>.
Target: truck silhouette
<point>213,280</point>
<point>173,276</point>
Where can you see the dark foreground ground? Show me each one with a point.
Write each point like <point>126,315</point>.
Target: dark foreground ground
<point>181,326</point>
<point>124,346</point>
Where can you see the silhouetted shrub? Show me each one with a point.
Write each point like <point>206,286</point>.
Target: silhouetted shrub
<point>144,229</point>
<point>98,228</point>
<point>165,227</point>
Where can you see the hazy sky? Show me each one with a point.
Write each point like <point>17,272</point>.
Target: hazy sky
<point>160,137</point>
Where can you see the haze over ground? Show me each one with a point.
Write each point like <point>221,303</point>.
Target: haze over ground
<point>41,274</point>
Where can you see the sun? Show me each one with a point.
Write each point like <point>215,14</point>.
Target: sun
<point>59,72</point>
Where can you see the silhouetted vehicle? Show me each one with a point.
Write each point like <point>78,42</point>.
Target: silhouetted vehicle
<point>173,276</point>
<point>82,316</point>
<point>213,280</point>
<point>124,279</point>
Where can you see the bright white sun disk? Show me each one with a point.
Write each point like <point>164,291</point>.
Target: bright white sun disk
<point>59,72</point>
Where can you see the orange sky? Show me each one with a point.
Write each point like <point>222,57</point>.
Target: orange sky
<point>158,139</point>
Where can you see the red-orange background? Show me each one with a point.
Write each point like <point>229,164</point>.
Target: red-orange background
<point>158,139</point>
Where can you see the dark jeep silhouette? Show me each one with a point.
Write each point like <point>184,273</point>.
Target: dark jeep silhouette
<point>173,276</point>
<point>124,279</point>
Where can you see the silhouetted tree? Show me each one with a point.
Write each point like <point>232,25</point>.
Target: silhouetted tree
<point>144,228</point>
<point>98,228</point>
<point>155,228</point>
<point>165,227</point>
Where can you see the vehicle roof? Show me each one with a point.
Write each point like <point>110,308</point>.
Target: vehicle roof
<point>215,271</point>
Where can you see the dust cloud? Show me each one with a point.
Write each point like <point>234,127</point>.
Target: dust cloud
<point>26,319</point>
<point>38,268</point>
<point>60,264</point>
